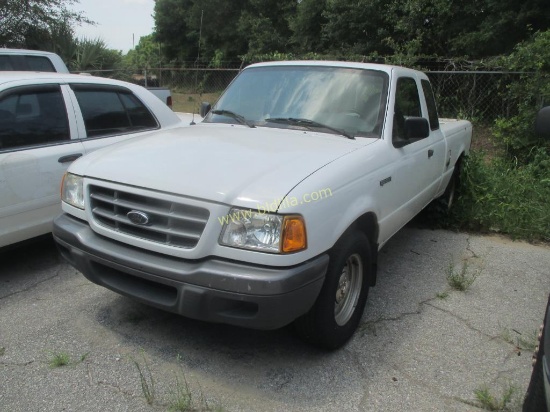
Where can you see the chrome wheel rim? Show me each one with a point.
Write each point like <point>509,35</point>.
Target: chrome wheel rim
<point>348,289</point>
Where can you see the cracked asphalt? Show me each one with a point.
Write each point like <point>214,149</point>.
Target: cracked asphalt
<point>422,346</point>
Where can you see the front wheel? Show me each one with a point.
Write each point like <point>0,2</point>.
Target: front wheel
<point>335,315</point>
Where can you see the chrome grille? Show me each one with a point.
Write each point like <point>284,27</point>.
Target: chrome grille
<point>170,223</point>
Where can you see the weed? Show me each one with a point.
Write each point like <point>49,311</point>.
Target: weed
<point>59,359</point>
<point>181,397</point>
<point>504,196</point>
<point>488,402</point>
<point>527,342</point>
<point>2,351</point>
<point>442,295</point>
<point>460,280</point>
<point>146,380</point>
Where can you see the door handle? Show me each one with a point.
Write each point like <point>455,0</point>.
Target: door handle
<point>430,153</point>
<point>69,158</point>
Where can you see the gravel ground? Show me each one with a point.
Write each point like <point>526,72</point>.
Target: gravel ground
<point>422,346</point>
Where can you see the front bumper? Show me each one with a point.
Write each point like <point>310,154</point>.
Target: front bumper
<point>209,289</point>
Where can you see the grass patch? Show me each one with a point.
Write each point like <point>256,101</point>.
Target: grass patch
<point>59,359</point>
<point>503,196</point>
<point>183,400</point>
<point>191,102</point>
<point>442,295</point>
<point>146,380</point>
<point>489,402</point>
<point>461,280</point>
<point>181,397</point>
<point>526,342</point>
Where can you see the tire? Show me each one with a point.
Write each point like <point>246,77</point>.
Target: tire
<point>338,309</point>
<point>535,398</point>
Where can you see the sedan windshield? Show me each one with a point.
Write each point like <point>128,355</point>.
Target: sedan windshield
<point>345,101</point>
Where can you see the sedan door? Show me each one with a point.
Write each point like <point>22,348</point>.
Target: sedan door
<point>38,141</point>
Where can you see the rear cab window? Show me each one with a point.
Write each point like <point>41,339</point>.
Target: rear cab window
<point>10,62</point>
<point>109,110</point>
<point>39,64</point>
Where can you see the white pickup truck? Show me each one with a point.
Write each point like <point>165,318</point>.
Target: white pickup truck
<point>273,209</point>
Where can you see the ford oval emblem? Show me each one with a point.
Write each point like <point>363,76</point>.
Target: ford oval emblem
<point>137,217</point>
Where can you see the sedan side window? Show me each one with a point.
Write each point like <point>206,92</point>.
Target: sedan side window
<point>107,111</point>
<point>31,117</point>
<point>407,104</point>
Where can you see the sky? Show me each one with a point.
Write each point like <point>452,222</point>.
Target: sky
<point>117,21</point>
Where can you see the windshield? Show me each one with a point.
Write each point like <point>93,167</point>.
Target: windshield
<point>345,101</point>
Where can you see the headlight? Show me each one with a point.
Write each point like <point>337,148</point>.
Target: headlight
<point>72,190</point>
<point>264,232</point>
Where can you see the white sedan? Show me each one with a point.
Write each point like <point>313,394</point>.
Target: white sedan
<point>47,120</point>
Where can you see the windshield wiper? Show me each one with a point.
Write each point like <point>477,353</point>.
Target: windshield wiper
<point>238,117</point>
<point>309,124</point>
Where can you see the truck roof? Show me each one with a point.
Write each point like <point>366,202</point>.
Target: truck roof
<point>328,63</point>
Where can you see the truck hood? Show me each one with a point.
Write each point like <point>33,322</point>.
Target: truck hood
<point>229,164</point>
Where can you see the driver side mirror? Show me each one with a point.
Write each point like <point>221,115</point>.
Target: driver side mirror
<point>542,122</point>
<point>205,108</point>
<point>416,128</point>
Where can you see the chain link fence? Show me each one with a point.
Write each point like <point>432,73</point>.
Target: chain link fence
<point>480,96</point>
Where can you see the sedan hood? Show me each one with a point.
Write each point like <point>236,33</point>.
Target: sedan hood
<point>229,164</point>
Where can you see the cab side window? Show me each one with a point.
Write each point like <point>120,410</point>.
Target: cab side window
<point>33,116</point>
<point>39,64</point>
<point>111,110</point>
<point>407,104</point>
<point>430,102</point>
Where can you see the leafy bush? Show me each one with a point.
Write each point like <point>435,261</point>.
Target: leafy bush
<point>503,196</point>
<point>531,91</point>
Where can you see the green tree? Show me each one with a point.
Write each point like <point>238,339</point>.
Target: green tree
<point>147,54</point>
<point>219,28</point>
<point>173,31</point>
<point>92,54</point>
<point>179,24</point>
<point>31,23</point>
<point>474,28</point>
<point>531,92</point>
<point>306,25</point>
<point>355,27</point>
<point>265,23</point>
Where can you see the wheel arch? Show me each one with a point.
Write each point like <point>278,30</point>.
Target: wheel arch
<point>367,224</point>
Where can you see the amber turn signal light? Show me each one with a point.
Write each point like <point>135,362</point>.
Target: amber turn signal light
<point>294,234</point>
